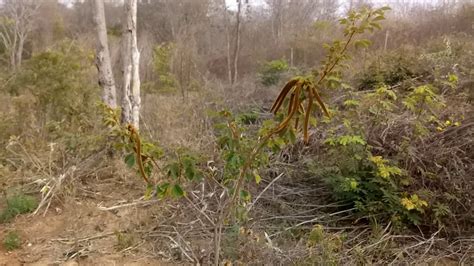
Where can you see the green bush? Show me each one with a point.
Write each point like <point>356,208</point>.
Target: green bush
<point>60,80</point>
<point>270,72</point>
<point>18,204</point>
<point>391,68</point>
<point>367,160</point>
<point>373,184</point>
<point>12,241</point>
<point>248,118</point>
<point>54,96</point>
<point>162,60</point>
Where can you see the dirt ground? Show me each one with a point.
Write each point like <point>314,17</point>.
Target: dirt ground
<point>79,232</point>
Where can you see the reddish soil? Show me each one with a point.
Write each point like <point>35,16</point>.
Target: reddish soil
<point>77,232</point>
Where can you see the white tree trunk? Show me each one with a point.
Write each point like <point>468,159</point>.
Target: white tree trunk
<point>106,76</point>
<point>386,41</point>
<point>136,100</point>
<point>227,36</point>
<point>19,51</point>
<point>131,61</point>
<point>237,41</point>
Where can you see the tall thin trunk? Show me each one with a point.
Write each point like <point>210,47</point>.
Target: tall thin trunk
<point>181,74</point>
<point>279,26</point>
<point>237,42</point>
<point>13,59</point>
<point>103,62</point>
<point>131,58</point>
<point>291,57</point>
<point>13,49</point>
<point>19,51</point>
<point>227,36</point>
<point>386,41</point>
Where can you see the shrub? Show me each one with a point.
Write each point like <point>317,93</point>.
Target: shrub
<point>270,72</point>
<point>162,59</point>
<point>12,241</point>
<point>391,68</point>
<point>18,204</point>
<point>60,80</point>
<point>124,240</point>
<point>323,247</point>
<point>373,184</point>
<point>378,159</point>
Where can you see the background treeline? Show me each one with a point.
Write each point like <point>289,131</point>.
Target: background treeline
<point>194,36</point>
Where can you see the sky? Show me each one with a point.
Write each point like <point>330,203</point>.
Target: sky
<point>232,4</point>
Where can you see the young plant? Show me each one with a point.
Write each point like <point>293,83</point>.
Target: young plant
<point>423,101</point>
<point>270,73</point>
<point>300,94</point>
<point>162,61</point>
<point>18,204</point>
<point>373,184</point>
<point>161,180</point>
<point>12,241</point>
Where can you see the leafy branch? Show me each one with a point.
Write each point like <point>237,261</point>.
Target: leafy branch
<point>300,94</point>
<point>303,91</point>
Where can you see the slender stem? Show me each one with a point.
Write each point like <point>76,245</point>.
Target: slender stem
<point>248,163</point>
<point>264,140</point>
<point>225,211</point>
<point>218,236</point>
<point>246,167</point>
<point>328,69</point>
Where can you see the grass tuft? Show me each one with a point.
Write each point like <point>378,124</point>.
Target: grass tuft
<point>18,204</point>
<point>12,241</point>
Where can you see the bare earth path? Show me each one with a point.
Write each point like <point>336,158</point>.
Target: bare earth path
<point>78,232</point>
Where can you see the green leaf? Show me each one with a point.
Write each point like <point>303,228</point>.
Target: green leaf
<point>245,195</point>
<point>173,170</point>
<point>189,168</point>
<point>161,190</point>
<point>130,160</point>
<point>148,192</point>
<point>376,25</point>
<point>292,135</point>
<point>364,43</point>
<point>177,191</point>
<point>189,173</point>
<point>351,103</point>
<point>258,178</point>
<point>148,168</point>
<point>379,17</point>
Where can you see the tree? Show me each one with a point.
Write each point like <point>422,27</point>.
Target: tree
<point>232,62</point>
<point>16,24</point>
<point>276,16</point>
<point>227,36</point>
<point>106,76</point>
<point>237,41</point>
<point>131,63</point>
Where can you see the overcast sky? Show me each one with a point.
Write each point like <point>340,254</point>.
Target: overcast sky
<point>232,4</point>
